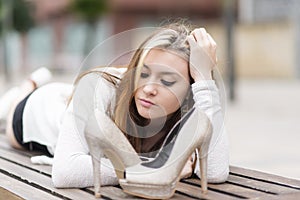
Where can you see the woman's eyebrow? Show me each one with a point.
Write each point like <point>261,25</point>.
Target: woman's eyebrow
<point>169,73</point>
<point>163,72</point>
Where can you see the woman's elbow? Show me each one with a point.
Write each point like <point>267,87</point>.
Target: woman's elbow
<point>218,177</point>
<point>71,175</point>
<point>59,177</point>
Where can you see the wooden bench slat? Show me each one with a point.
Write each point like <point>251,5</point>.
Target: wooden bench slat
<point>180,197</point>
<point>25,161</point>
<point>290,196</point>
<point>35,178</point>
<point>259,185</point>
<point>23,190</point>
<point>195,191</point>
<point>117,193</point>
<point>234,190</point>
<point>113,193</point>
<point>266,177</point>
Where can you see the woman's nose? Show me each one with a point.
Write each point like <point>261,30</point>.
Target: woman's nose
<point>150,89</point>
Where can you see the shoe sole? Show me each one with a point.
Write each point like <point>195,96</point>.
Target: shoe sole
<point>148,191</point>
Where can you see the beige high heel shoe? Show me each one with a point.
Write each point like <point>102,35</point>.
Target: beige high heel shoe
<point>157,179</point>
<point>104,138</point>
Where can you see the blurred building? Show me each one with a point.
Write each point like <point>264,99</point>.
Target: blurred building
<point>128,14</point>
<point>267,38</point>
<point>264,34</point>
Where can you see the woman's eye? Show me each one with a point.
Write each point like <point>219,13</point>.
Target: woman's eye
<point>144,75</point>
<point>167,83</point>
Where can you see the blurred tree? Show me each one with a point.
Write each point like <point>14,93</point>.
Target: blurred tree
<point>15,15</point>
<point>90,11</point>
<point>22,22</point>
<point>1,18</point>
<point>5,22</point>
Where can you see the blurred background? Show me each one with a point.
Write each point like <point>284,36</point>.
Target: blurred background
<point>258,49</point>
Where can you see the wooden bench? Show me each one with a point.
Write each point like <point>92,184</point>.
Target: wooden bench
<point>19,179</point>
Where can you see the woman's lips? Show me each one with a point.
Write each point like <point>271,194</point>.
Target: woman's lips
<point>146,103</point>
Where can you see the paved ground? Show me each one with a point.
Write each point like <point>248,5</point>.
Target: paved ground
<point>263,125</point>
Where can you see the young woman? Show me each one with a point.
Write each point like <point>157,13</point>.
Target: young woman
<point>170,73</point>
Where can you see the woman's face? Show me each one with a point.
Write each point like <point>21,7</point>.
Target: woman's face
<point>163,84</point>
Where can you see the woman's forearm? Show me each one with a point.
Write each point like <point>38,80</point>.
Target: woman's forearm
<point>207,98</point>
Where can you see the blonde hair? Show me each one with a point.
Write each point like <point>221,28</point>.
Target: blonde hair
<point>109,77</point>
<point>172,38</point>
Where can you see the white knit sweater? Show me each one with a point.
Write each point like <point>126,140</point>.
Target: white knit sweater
<point>72,165</point>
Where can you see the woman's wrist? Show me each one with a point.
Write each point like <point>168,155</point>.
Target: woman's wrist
<point>203,76</point>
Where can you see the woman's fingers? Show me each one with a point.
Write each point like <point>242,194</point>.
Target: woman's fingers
<point>192,41</point>
<point>201,37</point>
<point>205,40</point>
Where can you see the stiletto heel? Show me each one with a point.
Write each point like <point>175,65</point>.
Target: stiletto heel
<point>96,155</point>
<point>157,179</point>
<point>97,176</point>
<point>202,156</point>
<point>203,173</point>
<point>104,138</point>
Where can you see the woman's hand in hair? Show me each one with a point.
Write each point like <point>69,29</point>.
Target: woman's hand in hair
<point>203,56</point>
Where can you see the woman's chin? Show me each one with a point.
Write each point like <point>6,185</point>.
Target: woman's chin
<point>152,116</point>
<point>151,113</point>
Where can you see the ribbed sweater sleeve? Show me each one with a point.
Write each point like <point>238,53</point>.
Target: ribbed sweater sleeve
<point>207,98</point>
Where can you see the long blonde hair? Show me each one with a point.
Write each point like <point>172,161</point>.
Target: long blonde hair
<point>173,38</point>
